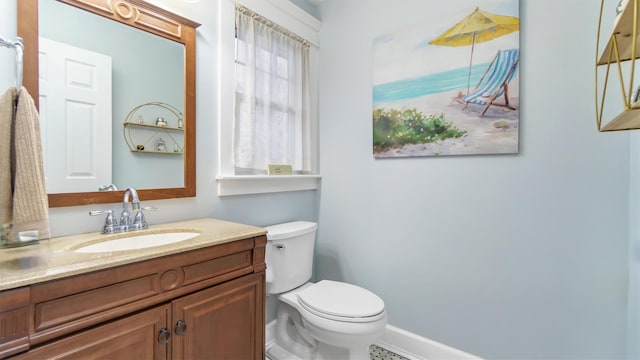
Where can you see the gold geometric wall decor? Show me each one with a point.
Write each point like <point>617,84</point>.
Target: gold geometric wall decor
<point>621,50</point>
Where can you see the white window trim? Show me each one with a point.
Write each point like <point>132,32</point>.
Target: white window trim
<point>286,14</point>
<point>259,184</point>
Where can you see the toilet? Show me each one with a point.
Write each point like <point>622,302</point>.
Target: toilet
<point>322,320</point>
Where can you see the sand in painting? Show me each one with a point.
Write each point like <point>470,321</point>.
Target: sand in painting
<point>494,133</point>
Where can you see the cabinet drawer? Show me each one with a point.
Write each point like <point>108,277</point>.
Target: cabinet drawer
<point>74,306</point>
<point>70,304</point>
<point>211,268</point>
<point>64,309</point>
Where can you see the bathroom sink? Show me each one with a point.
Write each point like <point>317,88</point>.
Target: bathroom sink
<point>136,242</point>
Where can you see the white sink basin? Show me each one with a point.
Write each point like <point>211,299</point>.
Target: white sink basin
<point>137,242</point>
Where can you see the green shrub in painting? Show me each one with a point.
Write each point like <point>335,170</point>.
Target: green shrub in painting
<point>393,128</point>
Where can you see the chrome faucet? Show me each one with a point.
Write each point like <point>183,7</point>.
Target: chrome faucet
<point>110,187</point>
<point>126,221</point>
<point>129,221</point>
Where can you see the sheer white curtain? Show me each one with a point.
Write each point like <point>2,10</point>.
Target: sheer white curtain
<point>271,119</point>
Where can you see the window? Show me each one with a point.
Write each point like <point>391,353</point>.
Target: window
<point>271,98</point>
<point>267,97</point>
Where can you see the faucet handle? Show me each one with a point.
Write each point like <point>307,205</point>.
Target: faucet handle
<point>110,223</point>
<point>139,221</point>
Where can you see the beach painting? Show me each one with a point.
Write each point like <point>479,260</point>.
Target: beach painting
<point>450,84</point>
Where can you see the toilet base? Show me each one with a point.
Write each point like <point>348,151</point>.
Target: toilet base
<point>290,345</point>
<point>325,352</point>
<point>277,352</point>
<point>307,336</point>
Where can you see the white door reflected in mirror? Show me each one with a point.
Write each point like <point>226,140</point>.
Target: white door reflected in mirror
<point>75,106</point>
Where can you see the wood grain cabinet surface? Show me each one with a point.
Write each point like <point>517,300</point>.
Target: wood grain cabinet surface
<point>202,304</point>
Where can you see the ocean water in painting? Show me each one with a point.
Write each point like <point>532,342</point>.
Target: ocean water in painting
<point>428,84</point>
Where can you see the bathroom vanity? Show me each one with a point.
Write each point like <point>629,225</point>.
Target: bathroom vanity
<point>198,298</point>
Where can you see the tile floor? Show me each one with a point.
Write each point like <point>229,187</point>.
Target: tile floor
<point>378,353</point>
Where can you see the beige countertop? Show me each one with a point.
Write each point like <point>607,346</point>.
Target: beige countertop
<point>55,258</point>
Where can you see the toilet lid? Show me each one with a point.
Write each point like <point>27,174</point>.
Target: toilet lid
<point>338,299</point>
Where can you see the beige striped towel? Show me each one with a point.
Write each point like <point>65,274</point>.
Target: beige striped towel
<point>23,196</point>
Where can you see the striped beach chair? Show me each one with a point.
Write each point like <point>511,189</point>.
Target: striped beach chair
<point>495,81</point>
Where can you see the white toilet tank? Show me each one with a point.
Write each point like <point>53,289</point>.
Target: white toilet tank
<point>289,255</point>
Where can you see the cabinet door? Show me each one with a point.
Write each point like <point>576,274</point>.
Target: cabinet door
<point>222,322</point>
<point>134,337</point>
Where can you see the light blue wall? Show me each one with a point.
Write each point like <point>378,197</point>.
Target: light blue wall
<point>517,256</point>
<point>308,7</point>
<point>633,335</point>
<point>520,256</point>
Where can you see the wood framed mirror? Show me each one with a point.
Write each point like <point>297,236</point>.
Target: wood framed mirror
<point>153,21</point>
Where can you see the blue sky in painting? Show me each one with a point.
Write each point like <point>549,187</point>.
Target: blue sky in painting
<point>406,54</point>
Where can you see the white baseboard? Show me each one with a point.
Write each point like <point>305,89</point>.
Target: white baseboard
<point>415,347</point>
<point>404,343</point>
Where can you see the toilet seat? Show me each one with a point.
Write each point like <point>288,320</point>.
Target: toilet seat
<point>340,301</point>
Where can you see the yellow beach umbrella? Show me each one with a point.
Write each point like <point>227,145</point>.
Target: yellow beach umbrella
<point>479,26</point>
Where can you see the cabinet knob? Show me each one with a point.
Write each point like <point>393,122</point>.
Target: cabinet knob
<point>181,328</point>
<point>164,336</point>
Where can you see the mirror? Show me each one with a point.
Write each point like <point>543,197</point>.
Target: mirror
<point>146,25</point>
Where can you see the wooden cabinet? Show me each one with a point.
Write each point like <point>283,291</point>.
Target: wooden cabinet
<point>225,316</point>
<point>134,337</point>
<point>14,321</point>
<point>202,304</point>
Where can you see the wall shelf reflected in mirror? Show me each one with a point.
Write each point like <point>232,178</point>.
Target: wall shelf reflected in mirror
<point>158,128</point>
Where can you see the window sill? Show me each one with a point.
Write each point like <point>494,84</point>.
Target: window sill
<point>229,185</point>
